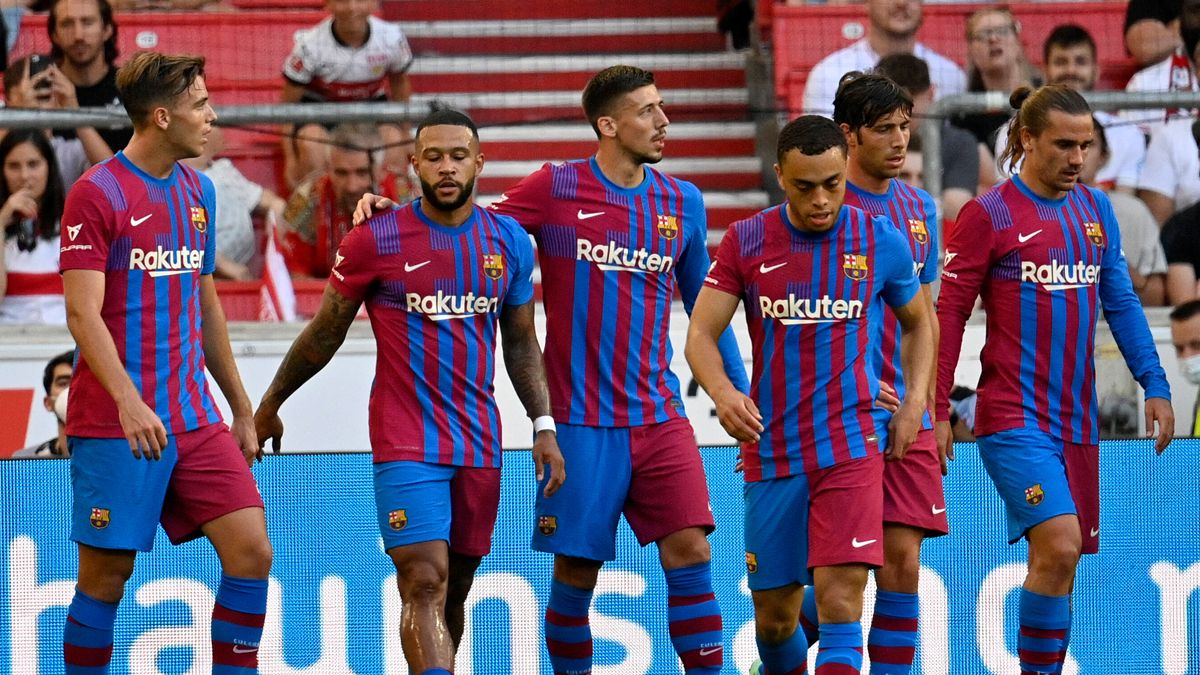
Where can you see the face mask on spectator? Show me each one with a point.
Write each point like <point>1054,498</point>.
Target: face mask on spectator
<point>1190,367</point>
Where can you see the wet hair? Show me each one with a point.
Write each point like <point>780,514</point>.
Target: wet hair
<point>607,87</point>
<point>66,358</point>
<point>106,20</point>
<point>448,116</point>
<point>50,206</point>
<point>1033,108</point>
<point>863,98</point>
<point>1067,35</point>
<point>811,135</point>
<point>1185,310</point>
<point>150,79</point>
<point>908,71</point>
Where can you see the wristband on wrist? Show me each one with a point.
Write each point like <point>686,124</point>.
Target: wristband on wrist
<point>544,423</point>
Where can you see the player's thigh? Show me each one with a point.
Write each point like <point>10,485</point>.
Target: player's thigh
<point>412,502</point>
<point>846,513</point>
<point>668,491</point>
<point>117,499</point>
<point>580,519</point>
<point>1029,471</point>
<point>474,504</point>
<point>776,532</point>
<point>212,480</point>
<point>912,488</point>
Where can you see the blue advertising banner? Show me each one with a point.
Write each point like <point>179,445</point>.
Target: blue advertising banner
<point>334,608</point>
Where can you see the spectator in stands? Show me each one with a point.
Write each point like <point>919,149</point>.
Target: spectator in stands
<point>1151,30</point>
<point>170,5</point>
<point>35,82</point>
<point>55,380</point>
<point>32,195</point>
<point>1185,335</point>
<point>962,413</point>
<point>962,156</point>
<point>349,56</point>
<point>1176,72</point>
<point>1139,230</point>
<point>1170,177</point>
<point>913,171</point>
<point>1181,243</point>
<point>892,29</point>
<point>997,62</point>
<point>319,211</point>
<point>238,200</point>
<point>83,38</point>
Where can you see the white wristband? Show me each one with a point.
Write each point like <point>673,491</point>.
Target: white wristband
<point>544,423</point>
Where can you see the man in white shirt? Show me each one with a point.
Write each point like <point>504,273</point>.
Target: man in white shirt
<point>1177,72</point>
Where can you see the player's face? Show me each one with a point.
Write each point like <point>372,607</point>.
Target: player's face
<point>26,169</point>
<point>993,43</point>
<point>897,18</point>
<point>1054,158</point>
<point>1073,66</point>
<point>80,32</point>
<point>639,124</point>
<point>351,176</point>
<point>447,160</point>
<point>815,186</point>
<point>191,119</point>
<point>913,171</point>
<point>879,148</point>
<point>59,381</point>
<point>350,13</point>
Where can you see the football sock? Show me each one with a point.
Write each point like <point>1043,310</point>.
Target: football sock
<point>695,619</point>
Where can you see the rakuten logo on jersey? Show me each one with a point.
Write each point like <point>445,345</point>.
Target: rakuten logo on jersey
<point>1056,276</point>
<point>162,262</point>
<point>613,257</point>
<point>443,306</point>
<point>794,311</point>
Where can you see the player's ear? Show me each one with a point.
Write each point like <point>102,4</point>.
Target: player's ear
<point>607,126</point>
<point>160,117</point>
<point>479,162</point>
<point>779,175</point>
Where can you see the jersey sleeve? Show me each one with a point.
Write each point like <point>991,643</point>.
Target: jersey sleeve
<point>1123,309</point>
<point>297,67</point>
<point>929,270</point>
<point>966,265</point>
<point>900,284</point>
<point>524,201</point>
<point>89,216</point>
<point>209,200</point>
<point>520,289</point>
<point>355,269</point>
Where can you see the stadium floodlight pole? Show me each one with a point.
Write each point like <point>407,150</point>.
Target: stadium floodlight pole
<point>931,127</point>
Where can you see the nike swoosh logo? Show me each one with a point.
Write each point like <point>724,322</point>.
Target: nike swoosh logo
<point>764,268</point>
<point>709,650</point>
<point>409,268</point>
<point>1026,237</point>
<point>1095,531</point>
<point>238,649</point>
<point>937,511</point>
<point>859,544</point>
<point>584,216</point>
<point>138,221</point>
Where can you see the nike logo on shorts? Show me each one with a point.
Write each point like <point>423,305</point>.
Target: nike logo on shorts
<point>859,544</point>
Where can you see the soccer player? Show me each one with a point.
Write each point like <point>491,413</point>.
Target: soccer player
<point>814,276</point>
<point>1044,252</point>
<point>147,441</point>
<point>437,276</point>
<point>616,238</point>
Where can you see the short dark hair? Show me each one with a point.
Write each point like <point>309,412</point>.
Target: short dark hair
<point>863,98</point>
<point>150,79</point>
<point>1067,35</point>
<point>106,20</point>
<point>65,358</point>
<point>811,135</point>
<point>608,86</point>
<point>448,116</point>
<point>906,70</point>
<point>1186,310</point>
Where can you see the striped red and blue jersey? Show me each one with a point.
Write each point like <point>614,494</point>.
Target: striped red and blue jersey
<point>434,295</point>
<point>914,213</point>
<point>1044,269</point>
<point>813,303</point>
<point>153,239</point>
<point>611,259</point>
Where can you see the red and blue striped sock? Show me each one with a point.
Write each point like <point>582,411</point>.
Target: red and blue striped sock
<point>568,634</point>
<point>1045,622</point>
<point>695,619</point>
<point>88,635</point>
<point>789,657</point>
<point>892,642</point>
<point>237,624</point>
<point>841,650</point>
<point>808,616</point>
<point>436,671</point>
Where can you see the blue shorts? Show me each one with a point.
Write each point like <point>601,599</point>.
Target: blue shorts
<point>1040,477</point>
<point>652,473</point>
<point>418,502</point>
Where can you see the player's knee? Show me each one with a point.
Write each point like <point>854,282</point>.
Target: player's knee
<point>685,548</point>
<point>423,583</point>
<point>901,570</point>
<point>258,557</point>
<point>106,583</point>
<point>1056,558</point>
<point>773,625</point>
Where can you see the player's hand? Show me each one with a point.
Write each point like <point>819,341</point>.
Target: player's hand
<point>902,431</point>
<point>243,430</point>
<point>739,416</point>
<point>887,398</point>
<point>268,425</point>
<point>945,444</point>
<point>739,464</point>
<point>546,452</point>
<point>367,206</point>
<point>1159,410</point>
<point>143,429</point>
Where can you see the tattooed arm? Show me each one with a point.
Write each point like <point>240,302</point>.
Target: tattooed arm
<point>313,348</point>
<point>523,360</point>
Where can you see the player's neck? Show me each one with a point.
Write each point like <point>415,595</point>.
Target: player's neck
<point>448,218</point>
<point>884,44</point>
<point>619,168</point>
<point>147,154</point>
<point>865,181</point>
<point>1037,187</point>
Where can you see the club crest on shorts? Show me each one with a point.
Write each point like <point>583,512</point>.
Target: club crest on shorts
<point>917,229</point>
<point>100,518</point>
<point>668,226</point>
<point>855,266</point>
<point>547,525</point>
<point>398,519</point>
<point>493,265</point>
<point>1034,494</point>
<point>199,217</point>
<point>1095,233</point>
<point>751,562</point>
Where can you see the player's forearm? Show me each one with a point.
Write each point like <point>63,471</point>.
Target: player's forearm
<point>527,372</point>
<point>917,357</point>
<point>707,364</point>
<point>311,352</point>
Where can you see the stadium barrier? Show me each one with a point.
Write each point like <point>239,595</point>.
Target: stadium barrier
<point>333,605</point>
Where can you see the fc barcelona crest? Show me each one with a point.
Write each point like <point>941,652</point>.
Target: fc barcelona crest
<point>1034,494</point>
<point>1094,232</point>
<point>855,266</point>
<point>398,519</point>
<point>199,218</point>
<point>668,226</point>
<point>547,525</point>
<point>918,231</point>
<point>751,562</point>
<point>99,518</point>
<point>493,265</point>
